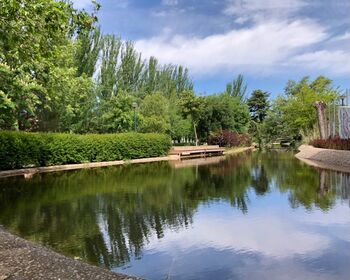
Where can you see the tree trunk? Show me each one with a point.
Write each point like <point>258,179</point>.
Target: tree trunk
<point>195,133</point>
<point>321,118</point>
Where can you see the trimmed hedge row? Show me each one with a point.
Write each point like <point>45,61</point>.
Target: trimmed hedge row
<point>23,149</point>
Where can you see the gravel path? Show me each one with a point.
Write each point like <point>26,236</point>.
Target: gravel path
<point>325,158</point>
<point>24,260</point>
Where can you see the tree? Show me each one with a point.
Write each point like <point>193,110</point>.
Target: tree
<point>192,106</point>
<point>115,114</point>
<point>237,88</point>
<point>275,124</point>
<point>293,114</point>
<point>258,105</point>
<point>32,34</point>
<point>155,112</point>
<point>223,112</point>
<point>88,47</point>
<point>298,109</point>
<point>108,72</point>
<point>181,128</point>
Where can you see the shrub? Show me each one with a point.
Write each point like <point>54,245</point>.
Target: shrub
<point>332,143</point>
<point>22,149</point>
<point>228,138</point>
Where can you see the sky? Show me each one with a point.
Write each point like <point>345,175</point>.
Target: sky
<point>268,41</point>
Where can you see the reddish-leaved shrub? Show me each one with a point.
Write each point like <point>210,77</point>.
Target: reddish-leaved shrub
<point>334,143</point>
<point>226,138</point>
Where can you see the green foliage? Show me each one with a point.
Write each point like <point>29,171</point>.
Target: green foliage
<point>155,111</point>
<point>222,112</point>
<point>275,125</point>
<point>191,105</point>
<point>154,124</point>
<point>23,149</point>
<point>258,105</point>
<point>32,34</point>
<point>181,128</point>
<point>70,97</point>
<point>237,88</point>
<point>300,97</point>
<point>114,114</point>
<point>214,113</point>
<point>58,72</point>
<point>294,114</point>
<point>88,47</point>
<point>154,105</point>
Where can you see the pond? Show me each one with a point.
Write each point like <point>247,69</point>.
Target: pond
<point>249,216</point>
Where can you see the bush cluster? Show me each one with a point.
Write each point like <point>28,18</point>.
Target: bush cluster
<point>334,143</point>
<point>226,138</point>
<point>22,149</point>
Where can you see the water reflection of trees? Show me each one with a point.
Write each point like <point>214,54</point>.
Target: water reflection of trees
<point>106,216</point>
<point>305,185</point>
<point>75,212</point>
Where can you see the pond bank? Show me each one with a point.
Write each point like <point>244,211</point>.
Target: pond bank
<point>29,172</point>
<point>336,160</point>
<point>22,259</point>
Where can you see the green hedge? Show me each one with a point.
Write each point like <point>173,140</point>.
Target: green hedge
<point>22,149</point>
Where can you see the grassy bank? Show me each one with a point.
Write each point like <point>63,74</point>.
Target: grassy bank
<point>21,149</point>
<point>237,150</point>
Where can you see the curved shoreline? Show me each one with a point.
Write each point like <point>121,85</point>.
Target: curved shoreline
<point>336,160</point>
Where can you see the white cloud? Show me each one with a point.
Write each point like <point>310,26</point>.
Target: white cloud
<point>336,62</point>
<point>170,2</point>
<point>257,9</point>
<point>255,49</point>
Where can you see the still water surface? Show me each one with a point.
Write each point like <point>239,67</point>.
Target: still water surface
<point>251,216</point>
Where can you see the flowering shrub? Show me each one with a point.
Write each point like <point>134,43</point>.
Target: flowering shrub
<point>226,138</point>
<point>332,143</point>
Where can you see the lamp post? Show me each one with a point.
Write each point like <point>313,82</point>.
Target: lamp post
<point>134,105</point>
<point>342,97</point>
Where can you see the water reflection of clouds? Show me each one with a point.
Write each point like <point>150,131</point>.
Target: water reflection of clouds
<point>338,215</point>
<point>268,233</point>
<point>277,243</point>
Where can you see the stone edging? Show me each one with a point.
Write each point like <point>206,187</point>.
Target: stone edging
<point>21,259</point>
<point>29,172</point>
<point>336,160</point>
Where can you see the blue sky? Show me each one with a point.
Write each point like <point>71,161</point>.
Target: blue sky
<point>268,41</point>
